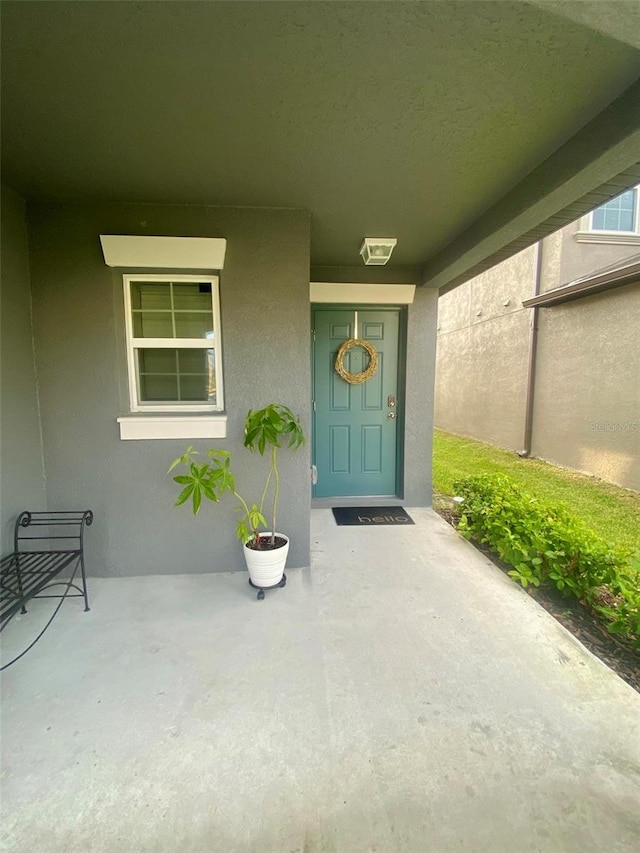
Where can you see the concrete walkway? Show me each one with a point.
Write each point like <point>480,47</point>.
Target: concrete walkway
<point>401,695</point>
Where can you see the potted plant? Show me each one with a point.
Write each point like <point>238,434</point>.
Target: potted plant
<point>269,428</point>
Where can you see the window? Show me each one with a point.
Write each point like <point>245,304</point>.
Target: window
<point>173,343</point>
<point>620,215</point>
<point>616,221</point>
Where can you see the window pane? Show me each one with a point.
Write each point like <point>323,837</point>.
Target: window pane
<point>194,325</point>
<point>177,375</point>
<point>197,375</point>
<point>158,388</point>
<point>194,388</point>
<point>192,360</point>
<point>617,214</point>
<point>168,309</point>
<point>212,396</point>
<point>192,297</point>
<point>158,361</point>
<point>152,324</point>
<point>150,294</point>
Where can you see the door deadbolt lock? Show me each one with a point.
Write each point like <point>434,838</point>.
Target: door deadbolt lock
<point>391,415</point>
<point>391,401</point>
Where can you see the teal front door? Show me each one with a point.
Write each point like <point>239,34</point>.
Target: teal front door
<point>356,427</point>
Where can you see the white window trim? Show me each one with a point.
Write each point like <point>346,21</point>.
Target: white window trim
<point>171,343</point>
<point>618,238</point>
<point>586,233</point>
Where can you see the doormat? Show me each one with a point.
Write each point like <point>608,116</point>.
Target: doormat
<point>374,516</point>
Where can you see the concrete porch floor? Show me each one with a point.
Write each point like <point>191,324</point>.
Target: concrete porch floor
<point>400,695</point>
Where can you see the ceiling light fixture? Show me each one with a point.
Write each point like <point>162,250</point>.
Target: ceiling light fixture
<point>377,250</point>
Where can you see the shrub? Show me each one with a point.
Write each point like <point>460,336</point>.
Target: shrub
<point>546,545</point>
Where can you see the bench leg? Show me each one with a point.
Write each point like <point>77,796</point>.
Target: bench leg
<point>84,583</point>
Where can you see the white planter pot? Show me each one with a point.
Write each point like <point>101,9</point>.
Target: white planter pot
<point>266,567</point>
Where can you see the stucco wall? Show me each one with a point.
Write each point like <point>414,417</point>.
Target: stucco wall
<point>587,393</point>
<point>22,481</point>
<point>78,317</point>
<point>420,392</point>
<point>587,402</point>
<point>481,367</point>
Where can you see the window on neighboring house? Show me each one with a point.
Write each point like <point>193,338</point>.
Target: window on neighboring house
<point>619,216</point>
<point>173,343</point>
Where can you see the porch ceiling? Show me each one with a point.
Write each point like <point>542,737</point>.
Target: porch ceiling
<point>420,121</point>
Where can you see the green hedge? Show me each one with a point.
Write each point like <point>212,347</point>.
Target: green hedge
<point>548,546</point>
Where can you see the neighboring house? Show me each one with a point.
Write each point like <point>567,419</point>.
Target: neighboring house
<point>570,391</point>
<point>238,154</point>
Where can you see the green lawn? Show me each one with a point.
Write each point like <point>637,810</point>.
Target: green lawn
<point>610,511</point>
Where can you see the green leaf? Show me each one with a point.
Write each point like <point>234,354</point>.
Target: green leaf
<point>184,495</point>
<point>242,531</point>
<point>210,493</point>
<point>183,479</point>
<point>218,454</point>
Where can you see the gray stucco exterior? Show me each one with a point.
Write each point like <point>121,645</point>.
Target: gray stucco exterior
<point>23,478</point>
<point>482,354</point>
<point>81,373</point>
<point>419,403</point>
<point>586,409</point>
<point>587,400</point>
<point>78,322</point>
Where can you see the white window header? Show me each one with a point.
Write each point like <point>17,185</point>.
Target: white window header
<point>363,294</point>
<point>195,253</point>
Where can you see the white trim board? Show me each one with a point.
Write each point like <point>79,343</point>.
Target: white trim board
<point>147,428</point>
<point>180,253</point>
<point>621,238</point>
<point>363,294</point>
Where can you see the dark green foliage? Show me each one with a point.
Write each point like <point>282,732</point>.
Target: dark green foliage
<point>546,545</point>
<point>610,511</point>
<point>266,427</point>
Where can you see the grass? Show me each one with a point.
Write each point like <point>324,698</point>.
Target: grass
<point>613,513</point>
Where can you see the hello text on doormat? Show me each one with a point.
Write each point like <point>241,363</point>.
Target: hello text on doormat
<point>371,516</point>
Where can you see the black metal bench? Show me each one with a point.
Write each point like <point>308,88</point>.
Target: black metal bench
<point>48,552</point>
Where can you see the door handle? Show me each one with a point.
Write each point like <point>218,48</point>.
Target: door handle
<point>391,415</point>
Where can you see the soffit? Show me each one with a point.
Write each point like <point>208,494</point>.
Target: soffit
<point>404,119</point>
<point>447,279</point>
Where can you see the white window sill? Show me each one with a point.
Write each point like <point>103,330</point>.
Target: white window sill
<point>603,237</point>
<point>149,427</point>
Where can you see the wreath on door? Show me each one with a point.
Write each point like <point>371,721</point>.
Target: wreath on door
<point>356,378</point>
